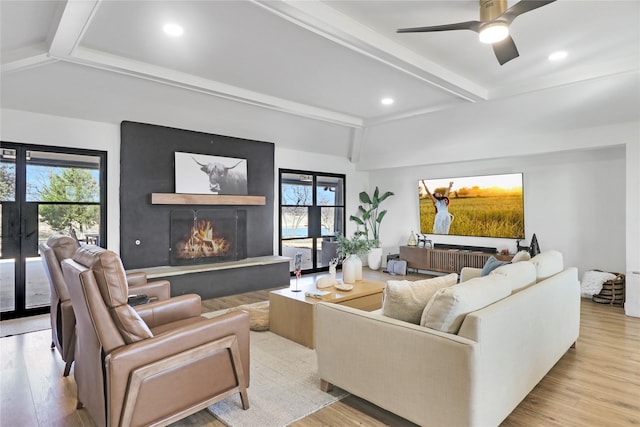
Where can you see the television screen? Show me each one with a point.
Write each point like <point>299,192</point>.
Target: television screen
<point>483,206</point>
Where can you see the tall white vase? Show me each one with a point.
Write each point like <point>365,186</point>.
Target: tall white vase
<point>358,266</point>
<point>374,258</point>
<point>349,270</point>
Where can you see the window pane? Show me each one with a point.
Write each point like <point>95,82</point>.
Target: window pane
<point>329,191</point>
<point>83,220</point>
<point>303,246</point>
<point>331,221</point>
<point>59,177</point>
<point>296,190</point>
<point>7,284</point>
<point>328,249</point>
<point>37,290</point>
<point>7,177</point>
<point>295,222</point>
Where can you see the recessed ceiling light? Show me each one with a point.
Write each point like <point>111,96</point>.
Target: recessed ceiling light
<point>558,56</point>
<point>386,101</point>
<point>174,30</point>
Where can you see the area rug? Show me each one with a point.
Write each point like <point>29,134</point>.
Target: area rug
<point>285,385</point>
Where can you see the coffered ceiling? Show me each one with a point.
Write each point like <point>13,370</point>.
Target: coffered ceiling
<point>303,69</point>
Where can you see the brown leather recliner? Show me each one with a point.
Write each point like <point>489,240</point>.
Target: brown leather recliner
<point>154,364</point>
<point>63,320</point>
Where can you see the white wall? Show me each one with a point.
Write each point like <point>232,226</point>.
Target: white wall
<point>632,304</point>
<point>42,129</point>
<point>574,202</point>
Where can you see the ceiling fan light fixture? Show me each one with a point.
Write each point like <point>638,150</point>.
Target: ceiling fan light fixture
<point>494,32</point>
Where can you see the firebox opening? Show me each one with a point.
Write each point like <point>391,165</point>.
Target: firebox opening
<point>207,236</point>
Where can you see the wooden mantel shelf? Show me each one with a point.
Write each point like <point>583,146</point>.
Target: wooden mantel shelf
<point>205,199</point>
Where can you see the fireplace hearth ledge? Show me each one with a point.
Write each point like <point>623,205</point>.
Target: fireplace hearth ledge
<point>178,270</point>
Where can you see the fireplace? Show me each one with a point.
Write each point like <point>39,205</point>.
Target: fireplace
<point>208,235</point>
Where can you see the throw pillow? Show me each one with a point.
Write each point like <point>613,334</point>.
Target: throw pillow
<point>448,307</point>
<point>521,256</point>
<point>491,264</point>
<point>548,263</point>
<point>405,300</point>
<point>520,274</point>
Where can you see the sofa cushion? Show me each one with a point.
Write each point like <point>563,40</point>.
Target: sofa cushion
<point>520,274</point>
<point>521,256</point>
<point>491,264</point>
<point>448,307</point>
<point>547,264</point>
<point>405,300</point>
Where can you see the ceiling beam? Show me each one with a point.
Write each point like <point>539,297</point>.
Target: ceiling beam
<point>73,22</point>
<point>333,25</point>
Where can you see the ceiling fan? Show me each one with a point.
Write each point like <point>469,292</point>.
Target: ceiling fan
<point>493,26</point>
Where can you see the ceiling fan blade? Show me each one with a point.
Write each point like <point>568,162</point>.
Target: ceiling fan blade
<point>468,25</point>
<point>505,50</point>
<point>521,7</point>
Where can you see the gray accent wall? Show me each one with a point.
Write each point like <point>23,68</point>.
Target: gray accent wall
<point>147,166</point>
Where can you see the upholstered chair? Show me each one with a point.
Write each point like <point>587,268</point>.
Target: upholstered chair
<point>155,363</point>
<point>63,322</point>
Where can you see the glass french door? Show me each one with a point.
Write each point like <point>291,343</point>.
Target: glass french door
<point>44,191</point>
<point>312,214</point>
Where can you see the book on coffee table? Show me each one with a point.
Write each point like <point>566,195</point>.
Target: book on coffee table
<point>315,293</point>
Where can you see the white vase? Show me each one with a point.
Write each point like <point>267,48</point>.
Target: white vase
<point>349,270</point>
<point>374,258</point>
<point>358,266</point>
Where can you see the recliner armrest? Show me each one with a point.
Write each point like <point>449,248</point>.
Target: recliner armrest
<point>136,279</point>
<point>159,289</point>
<point>162,312</point>
<point>214,368</point>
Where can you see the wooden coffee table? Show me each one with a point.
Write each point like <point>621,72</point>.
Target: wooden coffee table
<point>292,314</point>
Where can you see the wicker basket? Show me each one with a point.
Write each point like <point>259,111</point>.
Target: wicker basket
<point>612,291</point>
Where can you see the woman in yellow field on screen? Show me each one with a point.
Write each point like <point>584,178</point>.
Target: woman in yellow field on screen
<point>442,221</point>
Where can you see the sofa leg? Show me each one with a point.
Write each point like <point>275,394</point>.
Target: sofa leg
<point>574,344</point>
<point>325,386</point>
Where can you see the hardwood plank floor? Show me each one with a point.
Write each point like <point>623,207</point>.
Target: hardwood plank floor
<point>596,384</point>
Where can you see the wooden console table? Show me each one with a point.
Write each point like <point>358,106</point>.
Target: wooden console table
<point>445,260</point>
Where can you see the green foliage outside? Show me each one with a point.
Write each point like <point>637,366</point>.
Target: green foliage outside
<point>70,185</point>
<point>490,216</point>
<point>7,182</point>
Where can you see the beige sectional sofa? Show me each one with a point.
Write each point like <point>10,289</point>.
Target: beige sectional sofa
<point>474,377</point>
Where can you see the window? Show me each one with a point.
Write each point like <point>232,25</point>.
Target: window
<point>312,213</point>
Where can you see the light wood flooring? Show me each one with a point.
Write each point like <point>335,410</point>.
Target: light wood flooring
<point>595,384</point>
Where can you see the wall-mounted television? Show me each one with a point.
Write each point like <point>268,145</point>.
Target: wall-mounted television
<point>481,206</point>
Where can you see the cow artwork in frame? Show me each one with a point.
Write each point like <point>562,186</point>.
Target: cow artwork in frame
<point>204,174</point>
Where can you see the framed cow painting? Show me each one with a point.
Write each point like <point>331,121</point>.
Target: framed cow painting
<point>204,174</point>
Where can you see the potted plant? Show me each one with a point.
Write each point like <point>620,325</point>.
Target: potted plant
<point>349,250</point>
<point>370,217</point>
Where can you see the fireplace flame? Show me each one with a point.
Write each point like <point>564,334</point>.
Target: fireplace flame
<point>203,242</point>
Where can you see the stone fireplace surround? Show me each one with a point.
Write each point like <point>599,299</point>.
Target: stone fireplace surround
<point>146,169</point>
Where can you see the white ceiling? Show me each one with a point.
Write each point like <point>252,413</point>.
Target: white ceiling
<point>308,75</point>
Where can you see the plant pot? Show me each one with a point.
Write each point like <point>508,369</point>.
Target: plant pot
<point>351,269</point>
<point>374,258</point>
